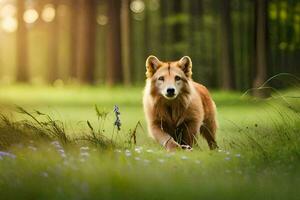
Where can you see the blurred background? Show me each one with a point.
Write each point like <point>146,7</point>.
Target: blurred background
<point>234,44</point>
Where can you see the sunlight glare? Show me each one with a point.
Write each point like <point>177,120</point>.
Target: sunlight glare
<point>8,10</point>
<point>102,20</point>
<point>137,6</point>
<point>30,16</point>
<point>48,13</point>
<point>9,24</point>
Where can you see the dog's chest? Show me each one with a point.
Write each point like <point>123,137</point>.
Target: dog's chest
<point>174,116</point>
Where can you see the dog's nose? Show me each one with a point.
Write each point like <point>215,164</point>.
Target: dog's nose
<point>170,92</point>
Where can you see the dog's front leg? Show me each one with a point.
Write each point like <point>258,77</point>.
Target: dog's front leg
<point>164,138</point>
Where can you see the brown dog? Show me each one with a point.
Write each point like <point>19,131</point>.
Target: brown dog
<point>176,107</point>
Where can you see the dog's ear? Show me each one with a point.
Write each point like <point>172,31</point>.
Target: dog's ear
<point>185,64</point>
<point>152,64</point>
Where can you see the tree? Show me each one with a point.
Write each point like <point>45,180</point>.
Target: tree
<point>114,62</point>
<point>22,46</point>
<point>85,50</point>
<point>196,30</point>
<point>73,39</point>
<point>177,29</point>
<point>53,47</point>
<point>125,26</point>
<point>261,45</point>
<point>227,66</point>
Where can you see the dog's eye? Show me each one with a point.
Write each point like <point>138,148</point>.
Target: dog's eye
<point>177,78</point>
<point>161,78</point>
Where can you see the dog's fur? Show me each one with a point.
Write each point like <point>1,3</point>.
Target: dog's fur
<point>175,121</point>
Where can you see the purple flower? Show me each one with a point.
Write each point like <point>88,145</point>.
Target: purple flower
<point>7,154</point>
<point>117,122</point>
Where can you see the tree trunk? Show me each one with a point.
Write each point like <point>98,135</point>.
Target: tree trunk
<point>196,37</point>
<point>86,40</point>
<point>22,46</point>
<point>125,25</point>
<point>114,62</point>
<point>228,72</point>
<point>73,68</point>
<point>260,50</point>
<point>177,29</point>
<point>53,47</point>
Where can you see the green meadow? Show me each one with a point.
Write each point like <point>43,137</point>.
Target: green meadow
<point>61,143</point>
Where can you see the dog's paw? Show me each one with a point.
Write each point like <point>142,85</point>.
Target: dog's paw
<point>186,147</point>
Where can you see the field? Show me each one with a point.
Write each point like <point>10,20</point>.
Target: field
<point>258,158</point>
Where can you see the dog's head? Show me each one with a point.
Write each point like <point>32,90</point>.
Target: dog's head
<point>169,78</point>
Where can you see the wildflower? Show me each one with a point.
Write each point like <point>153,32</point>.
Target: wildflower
<point>32,148</point>
<point>227,158</point>
<point>227,152</point>
<point>84,154</point>
<point>55,143</point>
<point>118,120</point>
<point>238,155</point>
<point>150,151</point>
<point>137,158</point>
<point>128,154</point>
<point>7,154</point>
<point>220,150</point>
<point>118,151</point>
<point>197,161</point>
<point>84,148</point>
<point>138,149</point>
<point>184,158</point>
<point>63,155</point>
<point>61,151</point>
<point>161,160</point>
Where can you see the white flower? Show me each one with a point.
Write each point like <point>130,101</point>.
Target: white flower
<point>150,151</point>
<point>197,161</point>
<point>128,154</point>
<point>161,160</point>
<point>32,148</point>
<point>84,148</point>
<point>55,143</point>
<point>61,150</point>
<point>138,148</point>
<point>63,155</point>
<point>118,151</point>
<point>238,155</point>
<point>227,158</point>
<point>137,158</point>
<point>184,158</point>
<point>85,154</point>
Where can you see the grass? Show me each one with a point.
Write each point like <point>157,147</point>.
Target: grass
<point>61,147</point>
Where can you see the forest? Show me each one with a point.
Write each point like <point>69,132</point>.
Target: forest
<point>234,45</point>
